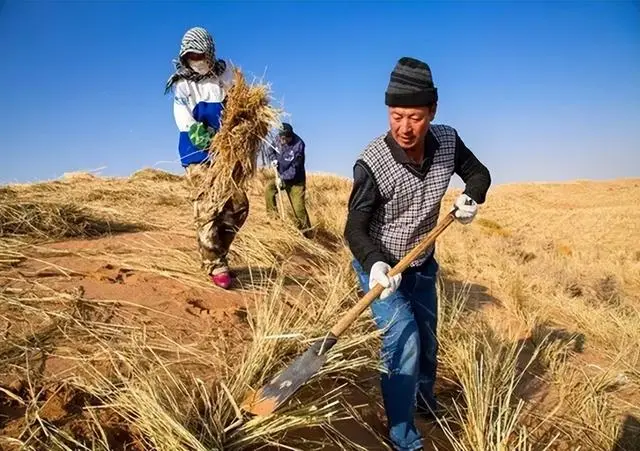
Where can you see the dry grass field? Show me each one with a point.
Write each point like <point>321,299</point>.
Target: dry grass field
<point>113,339</point>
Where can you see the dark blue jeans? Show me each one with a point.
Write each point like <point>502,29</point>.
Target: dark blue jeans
<point>408,318</point>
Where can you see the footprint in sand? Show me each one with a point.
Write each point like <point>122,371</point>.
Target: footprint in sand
<point>197,307</point>
<point>110,273</point>
<point>123,274</point>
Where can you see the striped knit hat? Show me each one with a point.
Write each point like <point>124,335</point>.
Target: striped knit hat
<point>411,84</point>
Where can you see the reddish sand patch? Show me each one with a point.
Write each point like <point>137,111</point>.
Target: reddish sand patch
<point>184,313</point>
<point>159,297</point>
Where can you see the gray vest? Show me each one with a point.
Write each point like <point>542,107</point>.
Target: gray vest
<point>410,205</point>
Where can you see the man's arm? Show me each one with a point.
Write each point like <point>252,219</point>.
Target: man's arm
<point>363,202</point>
<point>474,174</point>
<point>293,163</point>
<point>270,152</point>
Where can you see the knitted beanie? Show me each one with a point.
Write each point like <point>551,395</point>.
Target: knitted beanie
<point>410,84</point>
<point>286,130</point>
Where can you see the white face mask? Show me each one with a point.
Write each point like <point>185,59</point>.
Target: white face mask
<point>202,67</point>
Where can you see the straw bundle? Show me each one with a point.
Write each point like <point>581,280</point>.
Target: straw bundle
<point>246,122</point>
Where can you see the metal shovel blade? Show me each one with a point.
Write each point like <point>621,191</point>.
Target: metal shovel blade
<point>283,386</point>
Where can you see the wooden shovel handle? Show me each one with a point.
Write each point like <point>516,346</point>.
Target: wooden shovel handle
<point>406,261</point>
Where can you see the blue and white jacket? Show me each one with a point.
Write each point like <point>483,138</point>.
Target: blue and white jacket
<point>201,101</point>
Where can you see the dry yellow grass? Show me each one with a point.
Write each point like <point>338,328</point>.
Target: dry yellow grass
<point>539,324</point>
<point>247,120</point>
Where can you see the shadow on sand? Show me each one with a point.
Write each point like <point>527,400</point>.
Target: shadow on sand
<point>629,437</point>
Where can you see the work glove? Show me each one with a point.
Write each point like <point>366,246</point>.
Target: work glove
<point>201,135</point>
<point>378,275</point>
<point>466,209</point>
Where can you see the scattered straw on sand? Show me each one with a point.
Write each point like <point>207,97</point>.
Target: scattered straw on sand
<point>155,175</point>
<point>54,220</point>
<point>78,176</point>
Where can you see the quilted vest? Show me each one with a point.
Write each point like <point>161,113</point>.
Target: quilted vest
<point>410,205</point>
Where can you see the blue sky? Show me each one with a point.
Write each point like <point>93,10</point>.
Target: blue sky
<point>539,91</point>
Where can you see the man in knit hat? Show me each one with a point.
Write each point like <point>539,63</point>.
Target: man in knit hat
<point>399,181</point>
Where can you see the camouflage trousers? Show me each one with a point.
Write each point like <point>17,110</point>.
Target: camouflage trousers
<point>216,229</point>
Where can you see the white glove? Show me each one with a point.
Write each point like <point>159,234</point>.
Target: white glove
<point>274,164</point>
<point>467,209</point>
<point>378,274</point>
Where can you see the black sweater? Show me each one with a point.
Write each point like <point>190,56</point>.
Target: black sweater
<point>365,196</point>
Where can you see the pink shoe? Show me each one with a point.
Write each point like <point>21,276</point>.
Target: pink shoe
<point>223,279</point>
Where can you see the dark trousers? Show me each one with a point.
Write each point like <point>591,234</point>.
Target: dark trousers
<point>297,193</point>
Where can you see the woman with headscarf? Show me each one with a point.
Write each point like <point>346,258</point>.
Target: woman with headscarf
<point>200,85</point>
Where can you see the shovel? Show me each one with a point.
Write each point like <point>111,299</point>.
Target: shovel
<point>282,387</point>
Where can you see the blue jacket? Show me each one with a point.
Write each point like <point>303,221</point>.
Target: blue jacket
<point>290,158</point>
<point>201,101</point>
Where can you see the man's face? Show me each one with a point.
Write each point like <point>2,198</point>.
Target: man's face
<point>285,139</point>
<point>409,125</point>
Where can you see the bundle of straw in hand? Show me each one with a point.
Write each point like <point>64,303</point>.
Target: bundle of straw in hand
<point>247,120</point>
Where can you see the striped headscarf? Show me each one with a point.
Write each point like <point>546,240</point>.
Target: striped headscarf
<point>196,40</point>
